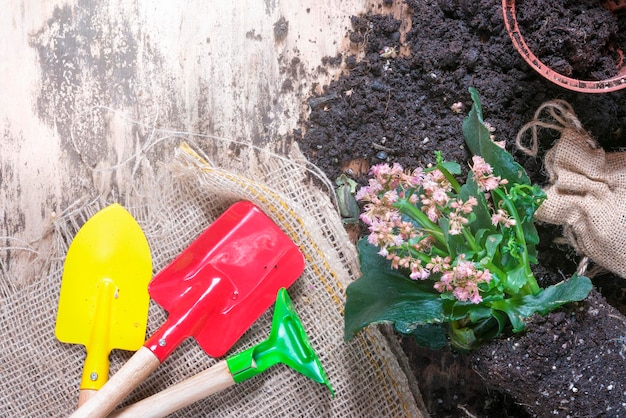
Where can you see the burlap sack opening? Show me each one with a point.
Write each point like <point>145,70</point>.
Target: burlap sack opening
<point>40,376</point>
<point>586,194</point>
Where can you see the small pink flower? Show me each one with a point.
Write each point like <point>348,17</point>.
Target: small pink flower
<point>440,197</point>
<point>488,183</point>
<point>456,223</point>
<point>483,276</point>
<point>463,280</point>
<point>424,244</point>
<point>502,217</point>
<point>438,264</point>
<point>390,197</point>
<point>501,144</point>
<point>406,230</point>
<point>480,167</point>
<point>367,193</point>
<point>464,207</point>
<point>416,177</point>
<point>418,272</point>
<point>461,294</point>
<point>404,262</point>
<point>483,175</point>
<point>395,260</point>
<point>432,212</point>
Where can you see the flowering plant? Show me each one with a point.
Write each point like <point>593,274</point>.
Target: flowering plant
<point>445,260</point>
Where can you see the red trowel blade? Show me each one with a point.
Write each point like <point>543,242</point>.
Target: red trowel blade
<point>219,285</point>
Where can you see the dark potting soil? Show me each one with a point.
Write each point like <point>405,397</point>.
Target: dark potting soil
<point>403,95</point>
<point>576,38</point>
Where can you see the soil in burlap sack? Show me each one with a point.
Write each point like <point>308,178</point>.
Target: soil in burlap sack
<point>586,194</point>
<point>40,376</point>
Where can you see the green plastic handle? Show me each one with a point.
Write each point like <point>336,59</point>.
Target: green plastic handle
<point>288,344</point>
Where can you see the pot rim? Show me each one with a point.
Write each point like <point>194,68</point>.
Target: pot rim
<point>617,82</point>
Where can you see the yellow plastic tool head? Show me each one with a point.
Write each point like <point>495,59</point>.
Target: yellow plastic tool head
<point>104,298</point>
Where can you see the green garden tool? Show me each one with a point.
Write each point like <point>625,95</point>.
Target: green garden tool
<point>287,344</point>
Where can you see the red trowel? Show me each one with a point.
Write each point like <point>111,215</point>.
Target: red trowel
<point>214,290</point>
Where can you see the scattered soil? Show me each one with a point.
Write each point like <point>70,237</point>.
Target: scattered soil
<point>399,101</point>
<point>576,38</point>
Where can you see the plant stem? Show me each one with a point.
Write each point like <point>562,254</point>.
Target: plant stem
<point>453,182</point>
<point>470,240</point>
<point>495,269</point>
<point>531,286</point>
<point>429,226</point>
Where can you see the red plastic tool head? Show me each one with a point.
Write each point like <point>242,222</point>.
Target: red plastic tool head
<point>217,287</point>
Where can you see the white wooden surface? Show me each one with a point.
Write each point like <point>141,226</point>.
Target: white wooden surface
<point>83,84</point>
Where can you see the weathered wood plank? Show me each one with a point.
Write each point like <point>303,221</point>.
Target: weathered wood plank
<point>73,75</point>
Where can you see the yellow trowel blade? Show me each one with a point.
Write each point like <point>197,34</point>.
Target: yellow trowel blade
<point>104,298</point>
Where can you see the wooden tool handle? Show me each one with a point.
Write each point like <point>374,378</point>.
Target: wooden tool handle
<point>135,371</point>
<point>84,395</point>
<point>184,393</point>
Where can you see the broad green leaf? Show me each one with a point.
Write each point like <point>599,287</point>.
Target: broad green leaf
<point>455,309</point>
<point>502,320</point>
<point>517,308</point>
<point>433,336</point>
<point>478,141</point>
<point>526,200</point>
<point>384,295</point>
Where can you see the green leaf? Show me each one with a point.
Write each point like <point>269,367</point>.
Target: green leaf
<point>432,336</point>
<point>492,244</point>
<point>483,216</point>
<point>468,337</point>
<point>478,140</point>
<point>517,308</point>
<point>463,339</point>
<point>385,295</point>
<point>455,244</point>
<point>452,167</point>
<point>455,310</point>
<point>515,279</point>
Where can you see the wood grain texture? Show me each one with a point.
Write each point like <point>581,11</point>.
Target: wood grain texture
<point>83,84</point>
<point>210,381</point>
<point>133,373</point>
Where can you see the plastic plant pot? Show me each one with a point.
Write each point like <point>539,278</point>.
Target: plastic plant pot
<point>617,82</point>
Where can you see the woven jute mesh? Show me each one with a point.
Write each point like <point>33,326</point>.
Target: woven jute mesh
<point>40,376</point>
<point>587,187</point>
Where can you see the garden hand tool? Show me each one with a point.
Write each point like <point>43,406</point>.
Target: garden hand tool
<point>103,302</point>
<point>287,344</point>
<point>214,290</point>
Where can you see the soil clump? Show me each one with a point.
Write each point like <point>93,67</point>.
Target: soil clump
<point>403,97</point>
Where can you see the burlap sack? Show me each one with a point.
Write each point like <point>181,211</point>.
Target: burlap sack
<point>587,187</point>
<point>39,376</point>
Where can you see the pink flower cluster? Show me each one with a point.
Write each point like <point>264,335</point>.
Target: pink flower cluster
<point>408,244</point>
<point>463,280</point>
<point>483,175</point>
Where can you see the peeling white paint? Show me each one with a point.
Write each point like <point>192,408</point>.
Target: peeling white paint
<point>73,75</point>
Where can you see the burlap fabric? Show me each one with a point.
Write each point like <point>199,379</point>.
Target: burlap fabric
<point>587,187</point>
<point>40,376</point>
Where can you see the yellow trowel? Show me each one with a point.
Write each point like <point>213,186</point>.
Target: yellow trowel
<point>104,298</point>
